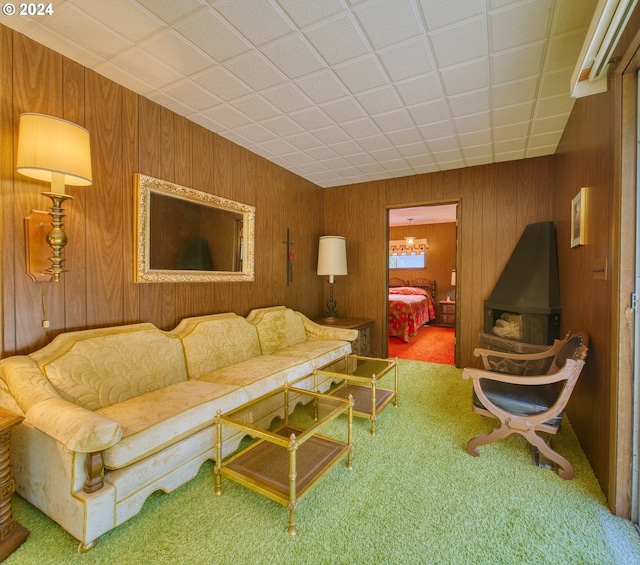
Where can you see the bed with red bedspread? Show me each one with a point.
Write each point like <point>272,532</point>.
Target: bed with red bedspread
<point>409,308</point>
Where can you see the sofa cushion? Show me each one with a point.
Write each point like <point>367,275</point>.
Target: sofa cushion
<point>216,341</point>
<point>318,351</point>
<point>278,327</point>
<point>261,374</point>
<point>163,417</point>
<point>97,368</point>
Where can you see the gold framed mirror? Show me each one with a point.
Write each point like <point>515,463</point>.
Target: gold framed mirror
<point>185,235</point>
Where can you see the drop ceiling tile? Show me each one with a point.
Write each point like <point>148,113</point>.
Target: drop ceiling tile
<point>143,65</point>
<point>477,151</point>
<point>123,17</point>
<point>555,83</point>
<point>573,15</point>
<point>374,169</point>
<point>298,158</point>
<point>213,35</point>
<point>338,39</point>
<point>336,163</point>
<point>548,125</point>
<point>361,74</point>
<point>541,151</point>
<point>515,92</point>
<point>304,141</point>
<point>359,159</point>
<point>374,143</point>
<point>163,98</point>
<point>278,146</point>
<point>452,155</point>
<point>282,126</point>
<point>222,83</point>
<point>563,51</point>
<point>307,13</point>
<point>404,137</point>
<point>255,132</point>
<point>86,32</point>
<point>293,56</point>
<point>423,163</point>
<point>511,131</point>
<point>441,13</point>
<point>554,106</point>
<point>475,138</point>
<point>524,22</point>
<point>323,154</point>
<point>413,149</point>
<point>227,116</point>
<point>470,103</point>
<point>193,95</point>
<point>387,22</point>
<point>322,87</point>
<point>266,23</point>
<point>437,130</point>
<point>386,154</point>
<point>445,144</point>
<point>170,11</point>
<point>512,114</point>
<point>461,43</point>
<point>171,48</point>
<point>364,127</point>
<point>510,145</point>
<point>53,40</point>
<point>393,121</point>
<point>311,118</point>
<point>255,70</point>
<point>420,89</point>
<point>518,63</point>
<point>330,135</point>
<point>255,107</point>
<point>478,161</point>
<point>466,76</point>
<point>408,59</point>
<point>127,80</point>
<point>287,98</point>
<point>205,122</point>
<point>343,110</point>
<point>378,100</point>
<point>429,112</point>
<point>475,122</point>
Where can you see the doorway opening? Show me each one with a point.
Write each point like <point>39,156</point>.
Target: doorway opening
<point>422,278</point>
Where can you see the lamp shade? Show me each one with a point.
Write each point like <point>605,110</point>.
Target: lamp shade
<point>49,146</point>
<point>453,277</point>
<point>332,255</point>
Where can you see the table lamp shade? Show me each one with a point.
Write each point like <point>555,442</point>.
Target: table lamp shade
<point>453,277</point>
<point>332,256</point>
<point>51,149</point>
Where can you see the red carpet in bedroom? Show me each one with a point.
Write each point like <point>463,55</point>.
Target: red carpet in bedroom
<point>432,344</point>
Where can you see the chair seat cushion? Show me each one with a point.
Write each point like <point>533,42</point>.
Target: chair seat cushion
<point>519,399</point>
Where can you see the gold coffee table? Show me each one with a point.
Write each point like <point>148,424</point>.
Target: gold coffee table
<point>289,458</point>
<point>360,376</point>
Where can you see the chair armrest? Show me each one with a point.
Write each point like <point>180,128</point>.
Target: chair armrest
<point>25,381</point>
<point>552,351</point>
<point>570,369</point>
<point>317,331</point>
<point>79,429</point>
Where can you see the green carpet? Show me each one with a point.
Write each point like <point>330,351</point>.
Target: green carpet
<point>414,496</point>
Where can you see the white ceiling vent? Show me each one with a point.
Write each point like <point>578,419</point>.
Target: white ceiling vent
<point>609,21</point>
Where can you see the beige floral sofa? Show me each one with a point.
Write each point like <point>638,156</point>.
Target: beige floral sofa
<point>113,414</point>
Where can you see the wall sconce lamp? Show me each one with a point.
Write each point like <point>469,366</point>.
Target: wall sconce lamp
<point>332,261</point>
<point>57,151</point>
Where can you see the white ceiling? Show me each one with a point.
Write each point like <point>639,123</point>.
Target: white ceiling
<point>431,214</point>
<point>341,91</point>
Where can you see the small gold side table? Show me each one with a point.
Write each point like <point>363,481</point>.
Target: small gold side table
<point>12,534</point>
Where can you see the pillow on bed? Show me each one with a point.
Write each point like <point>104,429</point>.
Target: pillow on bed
<point>408,290</point>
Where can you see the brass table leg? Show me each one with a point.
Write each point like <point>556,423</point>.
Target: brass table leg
<point>293,475</point>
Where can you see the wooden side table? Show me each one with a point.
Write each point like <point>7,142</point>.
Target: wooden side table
<point>448,308</point>
<point>362,344</point>
<point>12,534</point>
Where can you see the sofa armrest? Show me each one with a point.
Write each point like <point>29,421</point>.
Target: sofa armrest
<point>79,429</point>
<point>317,331</point>
<point>25,381</point>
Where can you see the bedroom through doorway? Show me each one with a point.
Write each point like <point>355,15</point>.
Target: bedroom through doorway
<point>422,280</point>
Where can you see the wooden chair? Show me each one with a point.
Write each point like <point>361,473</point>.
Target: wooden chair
<point>526,404</point>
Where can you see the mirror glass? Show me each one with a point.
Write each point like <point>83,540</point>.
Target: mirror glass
<point>184,235</point>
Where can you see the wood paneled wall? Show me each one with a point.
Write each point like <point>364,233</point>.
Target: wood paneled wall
<point>496,203</point>
<point>131,134</point>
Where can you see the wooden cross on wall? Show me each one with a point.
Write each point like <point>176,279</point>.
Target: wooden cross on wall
<point>289,243</point>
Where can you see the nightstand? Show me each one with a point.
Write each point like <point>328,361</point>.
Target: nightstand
<point>362,344</point>
<point>12,534</point>
<point>448,308</point>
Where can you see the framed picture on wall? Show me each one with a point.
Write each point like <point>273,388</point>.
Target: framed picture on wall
<point>578,218</point>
